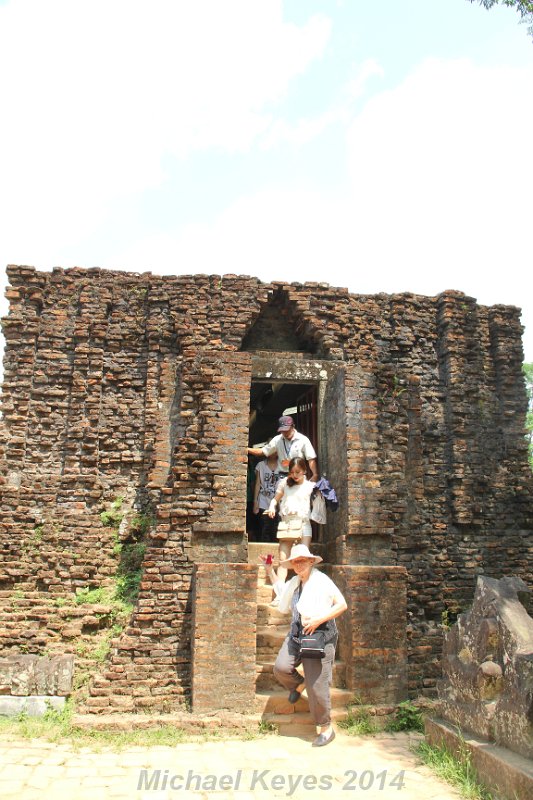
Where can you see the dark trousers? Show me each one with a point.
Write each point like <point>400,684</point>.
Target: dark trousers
<point>317,673</point>
<point>268,528</point>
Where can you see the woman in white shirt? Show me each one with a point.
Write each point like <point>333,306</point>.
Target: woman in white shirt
<point>293,494</point>
<point>315,602</point>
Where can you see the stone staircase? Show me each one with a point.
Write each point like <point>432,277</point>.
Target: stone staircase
<point>271,699</point>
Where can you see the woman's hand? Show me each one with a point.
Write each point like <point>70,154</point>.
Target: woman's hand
<point>272,575</point>
<point>310,624</point>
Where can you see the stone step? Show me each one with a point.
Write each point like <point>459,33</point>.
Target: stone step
<point>194,723</point>
<point>271,615</point>
<point>277,703</point>
<point>265,594</point>
<point>270,639</point>
<point>300,722</point>
<point>255,549</point>
<point>266,681</point>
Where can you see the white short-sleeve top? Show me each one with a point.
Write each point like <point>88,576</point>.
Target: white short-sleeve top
<point>296,500</point>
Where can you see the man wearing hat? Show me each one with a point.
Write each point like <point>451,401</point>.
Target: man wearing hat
<point>289,443</point>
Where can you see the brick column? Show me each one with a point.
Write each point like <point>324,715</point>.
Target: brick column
<point>224,605</point>
<point>372,638</point>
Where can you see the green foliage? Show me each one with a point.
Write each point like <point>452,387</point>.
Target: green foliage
<point>31,545</point>
<point>113,516</point>
<point>141,524</point>
<point>406,718</point>
<point>265,727</point>
<point>88,596</point>
<point>528,376</point>
<point>359,722</point>
<point>60,602</point>
<point>129,573</point>
<point>98,649</point>
<point>38,533</point>
<point>456,770</point>
<point>524,8</point>
<point>449,616</point>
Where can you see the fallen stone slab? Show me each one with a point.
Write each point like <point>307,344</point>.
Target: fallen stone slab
<point>27,675</point>
<point>33,706</point>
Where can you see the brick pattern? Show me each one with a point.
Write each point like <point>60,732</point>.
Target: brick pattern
<point>372,632</point>
<point>224,637</point>
<point>137,386</point>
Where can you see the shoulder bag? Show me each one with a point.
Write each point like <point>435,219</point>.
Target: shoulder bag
<point>290,528</point>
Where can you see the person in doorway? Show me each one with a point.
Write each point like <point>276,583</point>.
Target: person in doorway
<point>293,495</point>
<point>315,602</point>
<point>267,477</point>
<point>288,444</point>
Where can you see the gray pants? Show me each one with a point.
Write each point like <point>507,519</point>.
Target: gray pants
<point>317,673</point>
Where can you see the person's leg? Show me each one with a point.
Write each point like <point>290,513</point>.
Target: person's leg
<point>262,522</point>
<point>307,534</point>
<point>318,672</point>
<point>285,666</point>
<point>270,529</point>
<point>284,552</point>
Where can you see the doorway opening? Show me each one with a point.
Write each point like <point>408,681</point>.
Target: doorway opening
<point>269,400</point>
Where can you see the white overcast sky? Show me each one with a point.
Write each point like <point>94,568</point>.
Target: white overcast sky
<point>384,146</point>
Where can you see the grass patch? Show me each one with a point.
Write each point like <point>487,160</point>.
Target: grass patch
<point>100,596</point>
<point>455,770</point>
<point>267,727</point>
<point>57,726</point>
<point>407,717</point>
<point>359,722</point>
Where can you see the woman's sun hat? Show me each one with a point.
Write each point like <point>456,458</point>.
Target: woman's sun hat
<point>300,551</point>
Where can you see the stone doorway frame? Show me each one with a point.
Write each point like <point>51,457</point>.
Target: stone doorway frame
<point>300,368</point>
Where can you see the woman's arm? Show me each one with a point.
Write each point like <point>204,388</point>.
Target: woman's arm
<point>274,502</point>
<point>314,470</point>
<point>257,486</point>
<point>310,624</point>
<point>270,571</point>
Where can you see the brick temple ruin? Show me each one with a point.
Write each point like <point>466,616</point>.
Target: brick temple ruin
<point>145,391</point>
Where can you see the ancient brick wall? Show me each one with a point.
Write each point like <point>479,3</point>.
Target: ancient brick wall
<point>137,387</point>
<point>224,636</point>
<point>372,633</point>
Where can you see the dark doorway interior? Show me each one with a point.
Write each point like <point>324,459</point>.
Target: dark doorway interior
<point>268,402</point>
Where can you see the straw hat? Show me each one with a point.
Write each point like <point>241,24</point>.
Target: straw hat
<point>300,551</point>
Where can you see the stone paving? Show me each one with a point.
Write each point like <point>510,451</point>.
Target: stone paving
<point>382,767</point>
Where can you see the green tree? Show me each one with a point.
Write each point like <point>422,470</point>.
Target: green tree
<point>524,8</point>
<point>528,375</point>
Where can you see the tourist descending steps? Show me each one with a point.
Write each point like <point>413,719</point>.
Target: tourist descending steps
<point>289,443</point>
<point>267,477</point>
<point>315,602</point>
<point>293,494</point>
